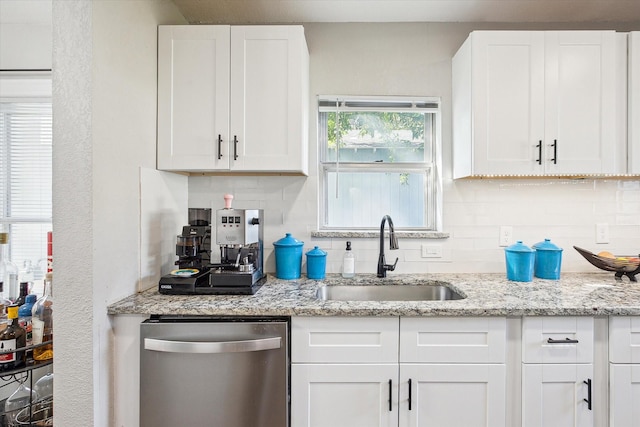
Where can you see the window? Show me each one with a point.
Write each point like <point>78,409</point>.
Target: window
<point>379,156</point>
<point>25,168</point>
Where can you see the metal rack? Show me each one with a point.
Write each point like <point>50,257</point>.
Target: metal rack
<point>39,412</point>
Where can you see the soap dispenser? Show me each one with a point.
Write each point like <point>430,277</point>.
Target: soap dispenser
<point>348,263</point>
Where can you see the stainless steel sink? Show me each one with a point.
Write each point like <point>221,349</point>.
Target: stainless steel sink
<point>388,293</point>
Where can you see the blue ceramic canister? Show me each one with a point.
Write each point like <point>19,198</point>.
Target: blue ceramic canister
<point>548,260</point>
<point>316,263</point>
<point>288,257</point>
<point>520,260</point>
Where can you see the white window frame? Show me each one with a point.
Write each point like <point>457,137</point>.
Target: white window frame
<point>432,164</point>
<point>25,87</point>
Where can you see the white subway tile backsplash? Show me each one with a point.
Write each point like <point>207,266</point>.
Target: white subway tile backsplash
<point>563,210</point>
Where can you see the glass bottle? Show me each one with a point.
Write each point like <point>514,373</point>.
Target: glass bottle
<point>24,291</point>
<point>42,322</point>
<point>12,338</point>
<point>20,399</point>
<point>348,263</point>
<point>24,317</point>
<point>8,270</point>
<point>44,386</point>
<point>4,304</point>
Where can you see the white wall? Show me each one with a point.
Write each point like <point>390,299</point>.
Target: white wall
<point>415,59</point>
<point>25,34</point>
<point>104,133</point>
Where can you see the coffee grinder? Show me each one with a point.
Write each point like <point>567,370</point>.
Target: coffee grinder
<point>193,248</point>
<point>239,234</point>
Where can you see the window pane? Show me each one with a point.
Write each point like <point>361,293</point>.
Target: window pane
<point>29,247</point>
<point>25,182</point>
<point>376,136</point>
<point>360,199</point>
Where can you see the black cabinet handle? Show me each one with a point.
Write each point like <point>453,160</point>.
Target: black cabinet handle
<point>564,341</point>
<point>235,147</point>
<point>219,146</point>
<point>539,147</point>
<point>555,152</point>
<point>390,392</point>
<point>588,399</point>
<point>409,393</point>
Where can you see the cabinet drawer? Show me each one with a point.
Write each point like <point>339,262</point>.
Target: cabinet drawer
<point>453,340</point>
<point>344,340</point>
<point>624,339</point>
<point>557,339</point>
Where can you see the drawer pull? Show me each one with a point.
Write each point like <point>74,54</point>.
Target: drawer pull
<point>564,341</point>
<point>390,394</point>
<point>588,399</point>
<point>409,393</point>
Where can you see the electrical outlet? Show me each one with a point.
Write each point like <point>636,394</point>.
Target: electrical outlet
<point>506,235</point>
<point>431,251</point>
<point>602,232</point>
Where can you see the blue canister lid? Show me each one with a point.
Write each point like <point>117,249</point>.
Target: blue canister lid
<point>287,240</point>
<point>518,247</point>
<point>316,251</point>
<point>546,246</point>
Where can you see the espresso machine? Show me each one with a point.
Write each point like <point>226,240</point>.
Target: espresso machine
<point>239,236</point>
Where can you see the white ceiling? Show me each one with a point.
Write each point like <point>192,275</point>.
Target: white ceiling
<point>301,11</point>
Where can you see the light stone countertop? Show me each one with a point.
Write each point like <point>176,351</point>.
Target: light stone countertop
<point>579,294</point>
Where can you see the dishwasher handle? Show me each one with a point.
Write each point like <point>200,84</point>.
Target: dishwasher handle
<point>169,346</point>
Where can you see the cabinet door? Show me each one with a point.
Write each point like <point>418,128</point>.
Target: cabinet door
<point>269,98</point>
<point>634,102</point>
<point>508,101</point>
<point>344,395</point>
<point>624,389</point>
<point>193,97</point>
<point>555,395</point>
<point>452,395</point>
<point>580,102</point>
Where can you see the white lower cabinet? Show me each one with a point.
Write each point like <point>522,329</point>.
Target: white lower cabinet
<point>398,382</point>
<point>358,395</point>
<point>558,372</point>
<point>557,395</point>
<point>431,395</point>
<point>624,381</point>
<point>624,371</point>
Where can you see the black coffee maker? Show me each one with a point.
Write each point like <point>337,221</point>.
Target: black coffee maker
<point>193,246</point>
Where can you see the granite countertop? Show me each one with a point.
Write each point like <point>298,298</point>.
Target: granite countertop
<point>591,294</point>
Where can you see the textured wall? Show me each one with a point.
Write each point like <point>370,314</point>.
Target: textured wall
<point>72,213</point>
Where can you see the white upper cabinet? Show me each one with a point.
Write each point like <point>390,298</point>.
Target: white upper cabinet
<point>233,98</point>
<point>539,103</point>
<point>634,103</point>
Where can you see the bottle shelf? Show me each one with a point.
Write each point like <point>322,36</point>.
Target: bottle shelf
<point>30,364</point>
<point>38,412</point>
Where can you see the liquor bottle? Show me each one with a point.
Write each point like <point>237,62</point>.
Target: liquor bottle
<point>42,322</point>
<point>4,303</point>
<point>348,263</point>
<point>24,291</point>
<point>24,317</point>
<point>8,270</point>
<point>12,338</point>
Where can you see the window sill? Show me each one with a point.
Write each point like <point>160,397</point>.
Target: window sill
<point>374,234</point>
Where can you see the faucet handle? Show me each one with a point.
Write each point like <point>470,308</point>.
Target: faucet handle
<point>392,267</point>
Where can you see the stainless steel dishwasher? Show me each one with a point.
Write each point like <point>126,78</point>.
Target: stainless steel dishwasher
<point>214,372</point>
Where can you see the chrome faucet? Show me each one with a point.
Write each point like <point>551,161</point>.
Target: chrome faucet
<point>393,244</point>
